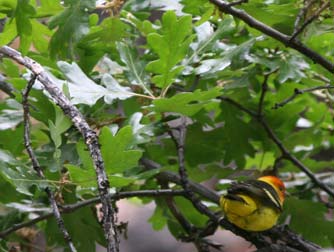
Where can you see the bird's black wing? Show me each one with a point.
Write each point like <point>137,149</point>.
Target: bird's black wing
<point>257,189</point>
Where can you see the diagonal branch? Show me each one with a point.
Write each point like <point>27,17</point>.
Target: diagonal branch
<point>36,165</point>
<point>291,240</point>
<point>301,14</point>
<point>309,20</point>
<point>90,137</point>
<point>6,87</point>
<point>285,39</point>
<point>298,92</point>
<point>198,188</point>
<point>263,92</point>
<point>189,228</point>
<point>70,208</point>
<point>286,154</point>
<point>179,135</point>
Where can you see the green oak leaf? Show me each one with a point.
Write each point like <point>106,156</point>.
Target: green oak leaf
<point>117,150</point>
<point>171,46</point>
<point>72,24</point>
<point>187,103</point>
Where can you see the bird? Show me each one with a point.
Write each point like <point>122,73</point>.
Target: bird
<point>254,205</point>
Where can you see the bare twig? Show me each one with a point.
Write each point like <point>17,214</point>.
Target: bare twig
<point>277,164</point>
<point>285,152</point>
<point>287,155</point>
<point>258,241</point>
<point>299,92</point>
<point>296,242</point>
<point>172,177</point>
<point>264,90</point>
<point>179,140</point>
<point>190,229</point>
<point>90,137</point>
<point>309,20</point>
<point>66,209</point>
<point>186,225</point>
<point>291,240</point>
<point>179,136</point>
<point>285,39</point>
<point>301,14</point>
<point>6,87</point>
<point>238,105</point>
<point>37,166</point>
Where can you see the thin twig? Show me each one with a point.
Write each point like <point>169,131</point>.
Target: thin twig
<point>277,164</point>
<point>36,165</point>
<point>15,227</point>
<point>285,152</point>
<point>291,240</point>
<point>264,90</point>
<point>70,208</point>
<point>90,137</point>
<point>179,140</point>
<point>299,92</point>
<point>186,225</point>
<point>174,178</point>
<point>179,136</point>
<point>309,20</point>
<point>288,156</point>
<point>6,87</point>
<point>190,229</point>
<point>287,236</point>
<point>301,14</point>
<point>238,105</point>
<point>285,39</point>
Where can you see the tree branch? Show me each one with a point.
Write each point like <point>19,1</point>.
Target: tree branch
<point>301,14</point>
<point>287,155</point>
<point>190,229</point>
<point>36,165</point>
<point>258,239</point>
<point>70,208</point>
<point>179,140</point>
<point>285,39</point>
<point>6,87</point>
<point>299,92</point>
<point>309,20</point>
<point>172,177</point>
<point>291,240</point>
<point>179,135</point>
<point>263,91</point>
<point>285,152</point>
<point>90,137</point>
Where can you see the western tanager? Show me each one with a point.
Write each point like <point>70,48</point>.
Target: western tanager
<point>254,205</point>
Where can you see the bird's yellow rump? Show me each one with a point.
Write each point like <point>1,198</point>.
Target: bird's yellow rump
<point>254,205</point>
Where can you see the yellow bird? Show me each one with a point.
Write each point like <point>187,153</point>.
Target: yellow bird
<point>254,205</point>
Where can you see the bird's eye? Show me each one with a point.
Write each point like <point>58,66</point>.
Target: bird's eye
<point>281,188</point>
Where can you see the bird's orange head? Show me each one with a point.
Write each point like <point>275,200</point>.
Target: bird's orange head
<point>277,184</point>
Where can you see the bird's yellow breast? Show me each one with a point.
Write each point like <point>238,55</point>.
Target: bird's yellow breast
<point>249,215</point>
